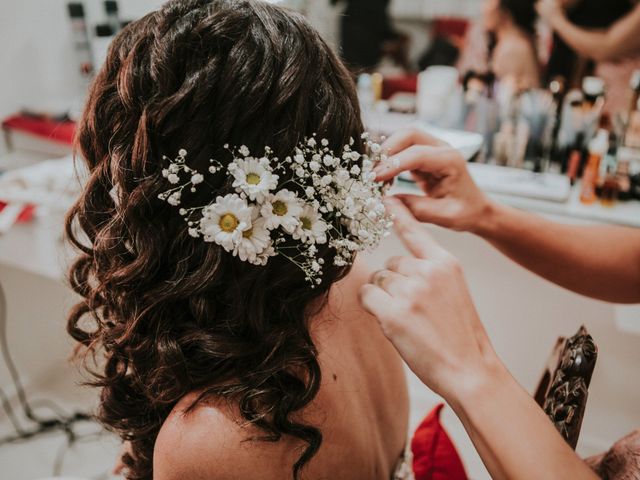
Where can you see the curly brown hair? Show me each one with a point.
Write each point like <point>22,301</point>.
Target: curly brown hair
<point>164,314</point>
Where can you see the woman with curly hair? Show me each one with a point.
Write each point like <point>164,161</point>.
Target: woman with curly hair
<point>220,289</point>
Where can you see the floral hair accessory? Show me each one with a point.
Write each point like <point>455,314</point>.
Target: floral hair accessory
<point>326,198</point>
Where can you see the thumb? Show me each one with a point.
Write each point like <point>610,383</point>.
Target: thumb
<point>423,208</point>
<point>411,231</point>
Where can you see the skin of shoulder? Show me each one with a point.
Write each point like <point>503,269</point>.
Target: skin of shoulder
<point>212,443</point>
<point>516,58</point>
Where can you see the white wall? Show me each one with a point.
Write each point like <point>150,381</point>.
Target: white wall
<point>37,62</point>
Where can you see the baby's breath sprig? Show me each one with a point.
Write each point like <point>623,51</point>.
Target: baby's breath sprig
<point>289,207</point>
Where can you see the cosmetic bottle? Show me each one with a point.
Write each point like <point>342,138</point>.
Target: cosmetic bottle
<point>623,180</point>
<point>609,189</point>
<point>632,136</point>
<point>81,42</point>
<point>631,132</point>
<point>634,187</point>
<point>592,105</point>
<point>553,156</point>
<point>366,93</point>
<point>610,160</point>
<point>592,89</point>
<point>597,149</point>
<point>101,42</point>
<point>575,158</point>
<point>607,186</point>
<point>571,126</point>
<point>113,18</point>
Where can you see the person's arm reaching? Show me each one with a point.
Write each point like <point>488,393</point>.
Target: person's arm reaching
<point>601,262</point>
<point>619,41</point>
<point>425,309</point>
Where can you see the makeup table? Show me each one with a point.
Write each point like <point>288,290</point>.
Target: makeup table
<point>522,313</point>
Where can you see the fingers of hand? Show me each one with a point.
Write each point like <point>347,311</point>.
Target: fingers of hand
<point>389,281</point>
<point>411,231</point>
<point>407,137</point>
<point>406,266</point>
<point>414,157</point>
<point>376,301</point>
<point>423,208</point>
<point>423,158</point>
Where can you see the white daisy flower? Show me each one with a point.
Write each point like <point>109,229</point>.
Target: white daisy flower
<point>255,240</point>
<point>225,221</point>
<point>312,229</point>
<point>242,222</point>
<point>253,177</point>
<point>282,210</point>
<point>263,258</point>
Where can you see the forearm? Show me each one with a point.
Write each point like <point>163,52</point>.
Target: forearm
<point>513,436</point>
<point>587,43</point>
<point>599,45</point>
<point>601,262</point>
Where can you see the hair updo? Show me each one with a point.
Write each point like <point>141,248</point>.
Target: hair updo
<point>168,314</point>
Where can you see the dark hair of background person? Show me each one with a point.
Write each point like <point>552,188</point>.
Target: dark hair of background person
<point>164,314</point>
<point>523,13</point>
<point>365,26</point>
<point>524,16</point>
<point>597,14</point>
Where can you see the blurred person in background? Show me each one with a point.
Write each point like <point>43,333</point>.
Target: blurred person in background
<point>503,41</point>
<point>592,37</point>
<point>512,47</point>
<point>367,35</point>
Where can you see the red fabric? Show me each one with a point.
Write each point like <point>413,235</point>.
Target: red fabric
<point>392,85</point>
<point>434,455</point>
<point>50,129</point>
<point>26,214</point>
<point>451,27</point>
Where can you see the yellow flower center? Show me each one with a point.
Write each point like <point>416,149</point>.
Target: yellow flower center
<point>228,223</point>
<point>280,208</point>
<point>306,223</point>
<point>253,179</point>
<point>247,233</point>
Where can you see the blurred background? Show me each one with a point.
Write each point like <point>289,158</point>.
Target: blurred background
<point>546,127</point>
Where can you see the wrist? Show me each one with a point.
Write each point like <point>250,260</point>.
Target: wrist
<point>481,389</point>
<point>487,378</point>
<point>488,219</point>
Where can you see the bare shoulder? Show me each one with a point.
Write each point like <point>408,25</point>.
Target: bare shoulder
<point>211,442</point>
<point>345,295</point>
<point>515,44</point>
